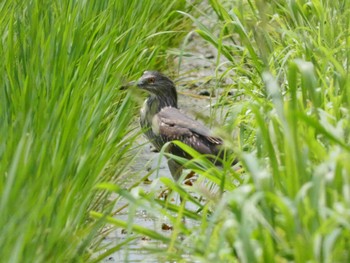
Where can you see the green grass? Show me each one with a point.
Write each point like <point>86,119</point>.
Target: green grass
<point>291,61</point>
<point>66,139</point>
<point>64,121</point>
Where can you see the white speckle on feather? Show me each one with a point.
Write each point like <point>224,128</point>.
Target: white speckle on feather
<point>155,125</point>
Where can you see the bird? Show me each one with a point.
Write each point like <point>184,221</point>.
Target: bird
<point>162,121</point>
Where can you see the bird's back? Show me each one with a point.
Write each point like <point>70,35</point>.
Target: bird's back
<point>171,124</point>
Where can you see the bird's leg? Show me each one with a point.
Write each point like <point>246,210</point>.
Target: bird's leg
<point>175,169</point>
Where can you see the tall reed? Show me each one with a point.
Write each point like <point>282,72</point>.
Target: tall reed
<point>64,121</point>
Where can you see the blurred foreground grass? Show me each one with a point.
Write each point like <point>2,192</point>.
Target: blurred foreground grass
<point>64,122</point>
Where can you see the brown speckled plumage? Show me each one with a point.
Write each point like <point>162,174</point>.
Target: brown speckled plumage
<point>163,122</point>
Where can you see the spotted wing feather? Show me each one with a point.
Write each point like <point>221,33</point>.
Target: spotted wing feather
<point>171,124</point>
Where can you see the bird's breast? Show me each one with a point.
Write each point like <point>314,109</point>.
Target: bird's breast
<point>148,110</point>
<point>143,114</point>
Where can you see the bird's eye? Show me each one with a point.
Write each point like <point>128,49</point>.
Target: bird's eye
<point>151,80</point>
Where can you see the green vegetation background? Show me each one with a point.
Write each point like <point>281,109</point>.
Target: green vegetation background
<point>66,136</point>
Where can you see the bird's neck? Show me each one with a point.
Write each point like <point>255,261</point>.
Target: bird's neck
<point>158,102</point>
<point>154,104</point>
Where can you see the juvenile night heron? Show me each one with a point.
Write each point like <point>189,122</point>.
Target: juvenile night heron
<point>163,122</point>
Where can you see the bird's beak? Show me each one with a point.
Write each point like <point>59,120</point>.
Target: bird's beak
<point>129,84</point>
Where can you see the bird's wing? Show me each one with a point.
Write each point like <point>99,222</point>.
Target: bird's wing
<point>172,124</point>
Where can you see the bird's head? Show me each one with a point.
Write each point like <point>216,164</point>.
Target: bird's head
<point>157,84</point>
